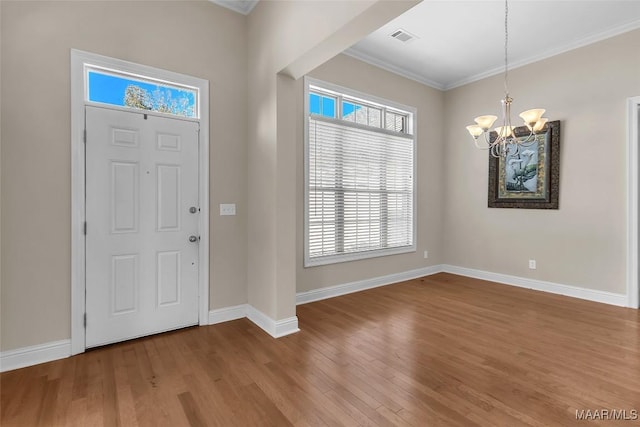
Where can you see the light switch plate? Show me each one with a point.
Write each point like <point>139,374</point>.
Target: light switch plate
<point>227,208</point>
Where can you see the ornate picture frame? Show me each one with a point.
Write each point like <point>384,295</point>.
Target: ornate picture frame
<point>529,179</point>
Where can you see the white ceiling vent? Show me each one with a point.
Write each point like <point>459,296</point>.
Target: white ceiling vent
<point>402,35</point>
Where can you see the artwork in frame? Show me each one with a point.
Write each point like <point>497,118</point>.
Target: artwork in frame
<point>530,177</point>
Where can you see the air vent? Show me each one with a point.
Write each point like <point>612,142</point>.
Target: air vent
<point>402,35</point>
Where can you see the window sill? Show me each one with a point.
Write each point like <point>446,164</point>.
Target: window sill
<point>356,256</point>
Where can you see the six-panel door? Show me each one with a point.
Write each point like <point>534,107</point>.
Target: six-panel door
<point>141,183</point>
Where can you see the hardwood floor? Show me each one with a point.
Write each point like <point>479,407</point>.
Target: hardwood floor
<point>439,351</point>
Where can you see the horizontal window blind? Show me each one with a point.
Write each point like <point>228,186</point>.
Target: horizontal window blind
<point>360,189</point>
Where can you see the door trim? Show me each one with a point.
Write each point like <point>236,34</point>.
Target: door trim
<point>633,214</point>
<point>79,59</point>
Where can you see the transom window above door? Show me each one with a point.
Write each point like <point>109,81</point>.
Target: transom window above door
<point>115,88</point>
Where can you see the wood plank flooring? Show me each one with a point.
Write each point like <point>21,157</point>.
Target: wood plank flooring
<point>438,351</point>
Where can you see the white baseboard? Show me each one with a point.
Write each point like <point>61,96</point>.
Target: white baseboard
<point>540,285</point>
<point>265,322</point>
<point>287,326</point>
<point>522,282</point>
<point>226,314</point>
<point>275,328</point>
<point>35,354</point>
<point>360,285</point>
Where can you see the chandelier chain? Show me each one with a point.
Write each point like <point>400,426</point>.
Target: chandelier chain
<point>506,44</point>
<point>506,140</point>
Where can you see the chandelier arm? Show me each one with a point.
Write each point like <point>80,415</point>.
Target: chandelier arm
<point>530,139</point>
<point>487,138</point>
<point>495,151</point>
<point>480,147</point>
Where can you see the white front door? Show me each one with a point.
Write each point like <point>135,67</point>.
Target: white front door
<point>142,224</point>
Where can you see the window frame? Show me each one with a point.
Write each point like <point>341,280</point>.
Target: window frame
<point>369,101</point>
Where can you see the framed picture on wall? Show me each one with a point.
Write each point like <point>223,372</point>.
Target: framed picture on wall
<point>529,177</point>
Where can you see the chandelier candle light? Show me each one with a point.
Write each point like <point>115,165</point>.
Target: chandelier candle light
<point>505,141</point>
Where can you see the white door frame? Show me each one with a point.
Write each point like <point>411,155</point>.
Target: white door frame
<point>633,217</point>
<point>79,61</point>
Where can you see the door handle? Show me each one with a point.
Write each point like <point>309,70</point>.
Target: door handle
<point>193,239</point>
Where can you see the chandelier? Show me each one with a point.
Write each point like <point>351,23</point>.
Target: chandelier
<point>503,140</point>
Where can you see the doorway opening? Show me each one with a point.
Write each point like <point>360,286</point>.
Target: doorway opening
<point>176,95</point>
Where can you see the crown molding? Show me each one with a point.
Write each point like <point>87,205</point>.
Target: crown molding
<point>585,41</point>
<point>392,68</point>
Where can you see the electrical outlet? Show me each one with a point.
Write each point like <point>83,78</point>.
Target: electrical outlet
<point>426,254</point>
<point>532,264</point>
<point>227,209</point>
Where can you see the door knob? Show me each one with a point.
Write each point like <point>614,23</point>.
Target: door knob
<point>193,209</point>
<point>193,239</point>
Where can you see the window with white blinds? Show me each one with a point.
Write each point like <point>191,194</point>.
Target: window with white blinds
<point>359,175</point>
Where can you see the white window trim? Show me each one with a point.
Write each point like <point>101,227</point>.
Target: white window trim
<point>309,262</point>
<point>79,61</point>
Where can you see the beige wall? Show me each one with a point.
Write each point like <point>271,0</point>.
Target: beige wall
<point>354,74</point>
<point>195,38</point>
<point>292,38</point>
<point>582,243</point>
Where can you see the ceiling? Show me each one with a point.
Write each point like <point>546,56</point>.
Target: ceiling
<point>462,41</point>
<point>458,42</point>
